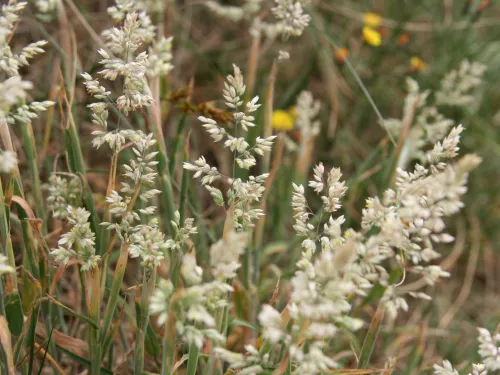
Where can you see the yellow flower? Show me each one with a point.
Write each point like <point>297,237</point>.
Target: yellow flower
<point>372,37</point>
<point>282,120</point>
<point>372,19</point>
<point>417,64</point>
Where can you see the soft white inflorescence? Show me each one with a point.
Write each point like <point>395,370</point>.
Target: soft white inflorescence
<point>426,124</point>
<point>307,110</point>
<point>160,58</point>
<point>8,161</point>
<point>13,88</point>
<point>4,265</point>
<point>445,369</point>
<point>241,194</point>
<point>489,349</point>
<point>121,60</point>
<point>235,13</point>
<point>291,17</point>
<point>144,7</point>
<point>10,62</point>
<point>64,191</point>
<point>159,301</point>
<point>251,363</point>
<point>458,85</point>
<point>140,174</point>
<point>405,224</point>
<point>182,232</point>
<point>271,319</point>
<point>149,244</point>
<point>78,242</point>
<point>193,306</point>
<point>225,254</point>
<point>46,9</point>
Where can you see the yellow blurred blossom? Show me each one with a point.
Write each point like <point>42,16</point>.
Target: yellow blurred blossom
<point>282,120</point>
<point>417,64</point>
<point>371,36</point>
<point>372,19</point>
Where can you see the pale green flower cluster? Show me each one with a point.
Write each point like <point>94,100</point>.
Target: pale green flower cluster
<point>78,243</point>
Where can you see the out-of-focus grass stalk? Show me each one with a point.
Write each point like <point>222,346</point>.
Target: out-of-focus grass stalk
<point>6,343</point>
<point>148,286</point>
<point>48,124</point>
<point>77,164</point>
<point>121,265</point>
<point>13,306</point>
<point>268,114</point>
<point>105,239</point>
<point>402,141</point>
<point>31,157</point>
<point>169,337</point>
<point>184,184</point>
<point>119,270</point>
<point>267,132</point>
<point>7,241</point>
<point>192,363</point>
<point>253,63</point>
<point>177,141</point>
<point>163,171</point>
<point>371,337</point>
<point>259,228</point>
<point>304,159</point>
<point>95,308</point>
<point>255,247</point>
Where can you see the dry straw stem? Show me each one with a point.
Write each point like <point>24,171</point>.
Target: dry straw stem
<point>329,73</point>
<point>42,353</point>
<point>71,344</point>
<point>407,121</point>
<point>469,274</point>
<point>268,114</point>
<point>259,228</point>
<point>253,63</point>
<point>5,340</point>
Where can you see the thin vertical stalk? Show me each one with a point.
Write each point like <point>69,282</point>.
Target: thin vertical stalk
<point>77,164</point>
<point>31,156</point>
<point>192,364</point>
<point>163,170</point>
<point>177,142</point>
<point>259,229</point>
<point>169,339</point>
<point>6,240</point>
<point>2,307</point>
<point>253,62</point>
<point>268,114</point>
<point>148,286</point>
<point>121,265</point>
<point>95,307</point>
<point>371,337</point>
<point>184,184</point>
